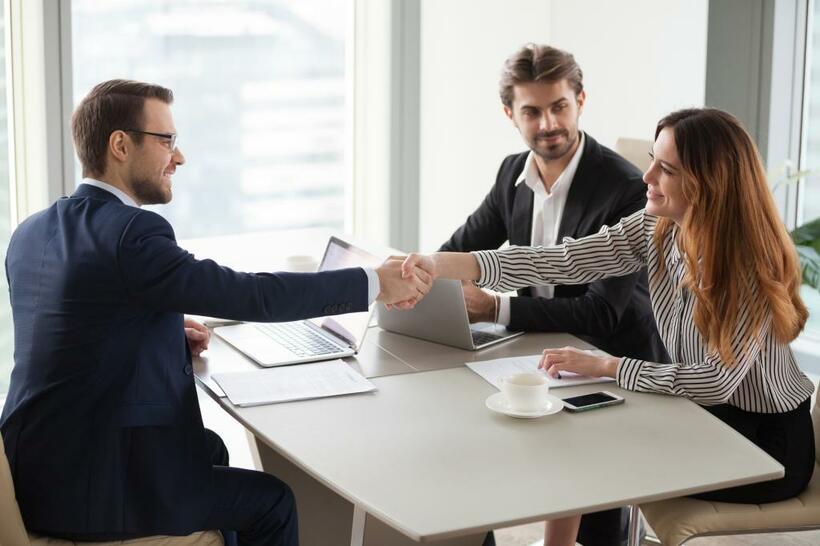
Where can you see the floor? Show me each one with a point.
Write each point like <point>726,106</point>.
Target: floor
<point>533,535</point>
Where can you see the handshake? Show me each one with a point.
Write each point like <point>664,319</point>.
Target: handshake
<point>405,280</point>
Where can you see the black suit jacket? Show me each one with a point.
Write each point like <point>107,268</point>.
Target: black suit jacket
<point>102,425</point>
<point>613,314</point>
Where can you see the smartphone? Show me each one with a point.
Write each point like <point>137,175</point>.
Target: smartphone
<point>591,401</point>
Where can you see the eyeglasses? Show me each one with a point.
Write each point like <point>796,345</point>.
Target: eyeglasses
<point>170,138</point>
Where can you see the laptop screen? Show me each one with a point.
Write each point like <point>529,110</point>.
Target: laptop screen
<point>339,255</point>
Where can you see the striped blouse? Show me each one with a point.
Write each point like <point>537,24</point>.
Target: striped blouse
<point>765,379</point>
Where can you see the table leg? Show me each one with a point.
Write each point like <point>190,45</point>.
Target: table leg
<point>357,532</point>
<point>634,525</point>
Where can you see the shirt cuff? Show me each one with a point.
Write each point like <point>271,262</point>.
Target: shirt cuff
<point>490,268</point>
<point>629,369</point>
<point>504,310</point>
<point>373,285</point>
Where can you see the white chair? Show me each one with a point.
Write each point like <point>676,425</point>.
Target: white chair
<point>676,521</point>
<point>636,151</point>
<point>13,532</point>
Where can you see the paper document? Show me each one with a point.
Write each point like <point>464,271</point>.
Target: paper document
<point>288,383</point>
<point>493,370</point>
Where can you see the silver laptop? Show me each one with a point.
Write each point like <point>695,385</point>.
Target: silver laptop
<point>326,338</point>
<point>442,317</point>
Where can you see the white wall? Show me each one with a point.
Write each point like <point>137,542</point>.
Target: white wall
<point>641,59</point>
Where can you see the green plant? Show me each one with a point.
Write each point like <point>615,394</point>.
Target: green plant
<point>806,237</point>
<point>807,240</point>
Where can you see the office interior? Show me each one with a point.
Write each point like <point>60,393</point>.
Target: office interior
<point>381,119</point>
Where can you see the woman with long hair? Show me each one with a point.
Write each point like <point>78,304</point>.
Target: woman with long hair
<point>724,281</point>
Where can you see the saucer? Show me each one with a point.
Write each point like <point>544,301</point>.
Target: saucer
<point>498,403</point>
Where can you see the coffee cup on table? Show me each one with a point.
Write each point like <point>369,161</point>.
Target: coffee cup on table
<point>300,264</point>
<point>525,391</point>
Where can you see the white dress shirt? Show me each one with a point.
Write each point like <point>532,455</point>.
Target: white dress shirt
<point>547,210</point>
<point>373,285</point>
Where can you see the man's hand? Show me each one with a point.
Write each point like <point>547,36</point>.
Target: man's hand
<point>481,306</point>
<point>197,336</point>
<point>401,290</point>
<point>581,362</point>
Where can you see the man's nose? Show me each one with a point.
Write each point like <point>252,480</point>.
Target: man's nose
<point>548,122</point>
<point>178,157</point>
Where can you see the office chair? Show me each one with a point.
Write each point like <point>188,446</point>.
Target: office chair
<point>676,521</point>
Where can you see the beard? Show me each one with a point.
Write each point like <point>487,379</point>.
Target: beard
<point>554,151</point>
<point>150,192</point>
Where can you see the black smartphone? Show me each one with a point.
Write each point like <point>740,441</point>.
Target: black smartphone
<point>591,401</point>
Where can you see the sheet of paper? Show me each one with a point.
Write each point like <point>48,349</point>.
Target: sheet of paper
<point>288,383</point>
<point>493,370</point>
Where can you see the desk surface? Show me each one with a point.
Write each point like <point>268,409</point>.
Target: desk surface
<point>424,455</point>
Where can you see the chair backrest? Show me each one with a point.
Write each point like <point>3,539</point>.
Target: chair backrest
<point>815,418</point>
<point>635,150</point>
<point>12,530</point>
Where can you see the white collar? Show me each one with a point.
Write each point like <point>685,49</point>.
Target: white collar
<point>124,197</point>
<point>532,177</point>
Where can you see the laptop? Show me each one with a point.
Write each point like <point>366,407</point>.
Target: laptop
<point>311,340</point>
<point>441,316</point>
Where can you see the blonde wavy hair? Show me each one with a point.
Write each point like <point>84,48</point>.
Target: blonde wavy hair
<point>736,249</point>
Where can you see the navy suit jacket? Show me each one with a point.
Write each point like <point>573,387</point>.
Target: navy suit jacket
<point>101,425</point>
<point>613,314</point>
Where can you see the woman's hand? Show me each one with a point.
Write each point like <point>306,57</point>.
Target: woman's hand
<point>424,262</point>
<point>577,361</point>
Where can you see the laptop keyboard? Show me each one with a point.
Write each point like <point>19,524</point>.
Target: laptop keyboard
<point>480,338</point>
<point>299,338</point>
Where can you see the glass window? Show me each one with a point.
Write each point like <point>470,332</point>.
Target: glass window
<point>810,192</point>
<point>6,326</point>
<point>260,102</point>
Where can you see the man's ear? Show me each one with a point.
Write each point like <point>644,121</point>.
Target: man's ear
<point>118,145</point>
<point>509,113</point>
<point>581,99</point>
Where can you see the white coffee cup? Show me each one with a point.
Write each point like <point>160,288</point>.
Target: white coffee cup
<point>525,391</point>
<point>300,263</point>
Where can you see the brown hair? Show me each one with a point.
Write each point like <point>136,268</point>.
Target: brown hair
<point>539,63</point>
<point>110,106</point>
<point>737,250</point>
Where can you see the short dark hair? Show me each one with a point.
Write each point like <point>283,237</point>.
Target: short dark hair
<point>539,63</point>
<point>110,106</point>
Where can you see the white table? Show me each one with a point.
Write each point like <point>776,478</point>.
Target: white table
<point>424,457</point>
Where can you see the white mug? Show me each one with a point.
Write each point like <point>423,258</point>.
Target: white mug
<point>525,391</point>
<point>300,263</point>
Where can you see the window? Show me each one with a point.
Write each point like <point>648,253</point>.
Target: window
<point>6,326</point>
<point>260,103</point>
<point>810,192</point>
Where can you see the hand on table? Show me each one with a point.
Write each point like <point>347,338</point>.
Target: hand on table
<point>197,336</point>
<point>570,359</point>
<point>481,306</point>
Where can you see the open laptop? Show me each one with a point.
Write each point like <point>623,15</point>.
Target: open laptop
<point>441,316</point>
<point>311,340</point>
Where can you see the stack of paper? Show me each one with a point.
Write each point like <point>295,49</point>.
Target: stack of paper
<point>288,383</point>
<point>493,370</point>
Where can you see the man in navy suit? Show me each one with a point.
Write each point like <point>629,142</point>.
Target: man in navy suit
<point>101,425</point>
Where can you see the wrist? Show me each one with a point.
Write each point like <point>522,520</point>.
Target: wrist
<point>610,367</point>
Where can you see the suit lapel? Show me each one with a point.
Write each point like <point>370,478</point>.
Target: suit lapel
<point>586,182</point>
<point>521,221</point>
